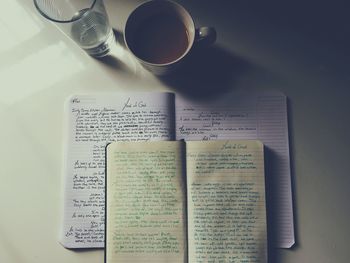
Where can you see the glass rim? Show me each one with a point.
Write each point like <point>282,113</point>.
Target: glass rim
<point>60,21</point>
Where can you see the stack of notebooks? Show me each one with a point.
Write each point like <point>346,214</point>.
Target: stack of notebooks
<point>180,181</point>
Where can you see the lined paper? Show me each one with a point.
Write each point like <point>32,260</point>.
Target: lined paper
<point>260,116</point>
<point>146,212</point>
<point>94,121</point>
<point>226,202</point>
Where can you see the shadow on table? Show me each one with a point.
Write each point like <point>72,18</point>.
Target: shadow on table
<point>207,73</point>
<point>112,60</point>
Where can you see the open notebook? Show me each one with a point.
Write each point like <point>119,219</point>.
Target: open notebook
<point>177,202</point>
<point>97,119</point>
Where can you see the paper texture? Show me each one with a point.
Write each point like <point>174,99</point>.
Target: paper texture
<point>226,202</point>
<point>93,121</point>
<point>260,116</point>
<point>146,203</point>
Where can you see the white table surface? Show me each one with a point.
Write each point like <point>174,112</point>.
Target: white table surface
<point>301,49</point>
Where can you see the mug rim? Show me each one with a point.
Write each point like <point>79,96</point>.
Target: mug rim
<point>190,44</point>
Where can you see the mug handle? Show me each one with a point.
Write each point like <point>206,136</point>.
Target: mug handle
<point>205,36</point>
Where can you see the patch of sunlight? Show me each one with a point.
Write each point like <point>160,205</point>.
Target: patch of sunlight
<point>16,24</point>
<point>38,71</point>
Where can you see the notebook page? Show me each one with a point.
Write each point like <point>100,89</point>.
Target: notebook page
<point>226,202</point>
<point>145,209</point>
<point>94,121</point>
<point>260,116</point>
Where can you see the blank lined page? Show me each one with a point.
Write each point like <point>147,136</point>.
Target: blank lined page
<point>146,212</point>
<point>226,202</point>
<point>260,116</point>
<point>93,121</point>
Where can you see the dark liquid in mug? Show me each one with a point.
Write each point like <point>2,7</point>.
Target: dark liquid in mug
<point>160,39</point>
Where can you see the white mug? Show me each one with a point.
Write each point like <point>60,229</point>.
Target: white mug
<point>147,10</point>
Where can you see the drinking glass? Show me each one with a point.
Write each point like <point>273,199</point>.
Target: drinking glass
<point>85,21</point>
